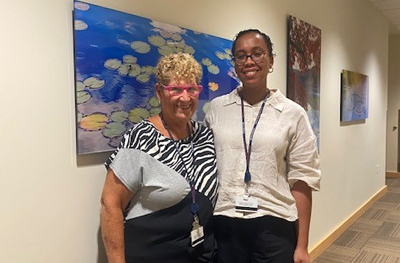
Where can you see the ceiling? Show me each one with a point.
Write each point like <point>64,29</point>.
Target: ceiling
<point>390,9</point>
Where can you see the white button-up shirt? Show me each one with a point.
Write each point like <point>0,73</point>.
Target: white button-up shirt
<point>283,152</point>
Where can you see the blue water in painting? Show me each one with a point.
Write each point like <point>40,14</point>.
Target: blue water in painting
<point>100,42</point>
<point>103,34</point>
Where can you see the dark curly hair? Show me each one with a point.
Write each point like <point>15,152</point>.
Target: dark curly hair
<point>266,38</point>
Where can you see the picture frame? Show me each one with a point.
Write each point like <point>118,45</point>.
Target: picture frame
<point>303,69</point>
<point>354,103</point>
<point>115,55</point>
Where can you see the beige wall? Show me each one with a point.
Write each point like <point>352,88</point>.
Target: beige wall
<point>49,198</point>
<point>393,103</point>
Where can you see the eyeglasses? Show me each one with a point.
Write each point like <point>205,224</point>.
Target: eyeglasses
<point>256,56</point>
<point>178,90</point>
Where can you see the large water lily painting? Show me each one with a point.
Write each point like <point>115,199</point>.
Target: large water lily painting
<point>115,56</point>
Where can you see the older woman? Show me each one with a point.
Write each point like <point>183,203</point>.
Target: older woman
<point>267,163</point>
<point>161,185</point>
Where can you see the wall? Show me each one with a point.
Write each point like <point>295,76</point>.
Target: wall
<point>393,103</point>
<point>49,205</point>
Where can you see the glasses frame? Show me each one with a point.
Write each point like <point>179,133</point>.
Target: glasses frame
<point>250,56</point>
<point>183,88</point>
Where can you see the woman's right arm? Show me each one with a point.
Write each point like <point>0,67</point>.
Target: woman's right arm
<point>114,200</point>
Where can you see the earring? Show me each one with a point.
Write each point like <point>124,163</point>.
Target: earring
<point>271,69</point>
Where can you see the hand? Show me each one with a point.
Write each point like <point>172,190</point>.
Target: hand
<point>301,256</point>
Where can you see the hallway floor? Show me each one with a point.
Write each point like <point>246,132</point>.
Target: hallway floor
<point>374,237</point>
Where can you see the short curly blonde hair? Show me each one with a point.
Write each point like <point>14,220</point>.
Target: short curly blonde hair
<point>180,66</point>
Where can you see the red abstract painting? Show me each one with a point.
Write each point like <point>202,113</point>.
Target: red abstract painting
<point>304,64</point>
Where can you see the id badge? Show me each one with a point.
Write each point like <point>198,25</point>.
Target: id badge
<point>248,205</point>
<point>197,236</point>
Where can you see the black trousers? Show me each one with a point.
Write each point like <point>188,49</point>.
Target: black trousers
<point>260,240</point>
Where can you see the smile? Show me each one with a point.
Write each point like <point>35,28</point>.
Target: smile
<point>183,107</point>
<point>250,73</point>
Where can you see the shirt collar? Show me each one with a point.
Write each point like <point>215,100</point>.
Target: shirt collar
<point>276,100</point>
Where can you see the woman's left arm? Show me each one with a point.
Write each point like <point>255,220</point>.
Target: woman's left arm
<point>302,194</point>
<point>304,175</point>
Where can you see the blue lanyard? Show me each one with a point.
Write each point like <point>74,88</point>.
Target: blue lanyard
<point>194,208</point>
<point>247,175</point>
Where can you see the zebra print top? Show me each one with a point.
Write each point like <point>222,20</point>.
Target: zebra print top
<point>149,165</point>
<point>145,138</point>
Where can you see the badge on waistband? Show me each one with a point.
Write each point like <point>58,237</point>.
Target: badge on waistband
<point>246,204</point>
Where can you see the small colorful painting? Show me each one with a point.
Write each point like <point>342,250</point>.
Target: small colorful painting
<point>115,56</point>
<point>354,101</point>
<point>304,65</point>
